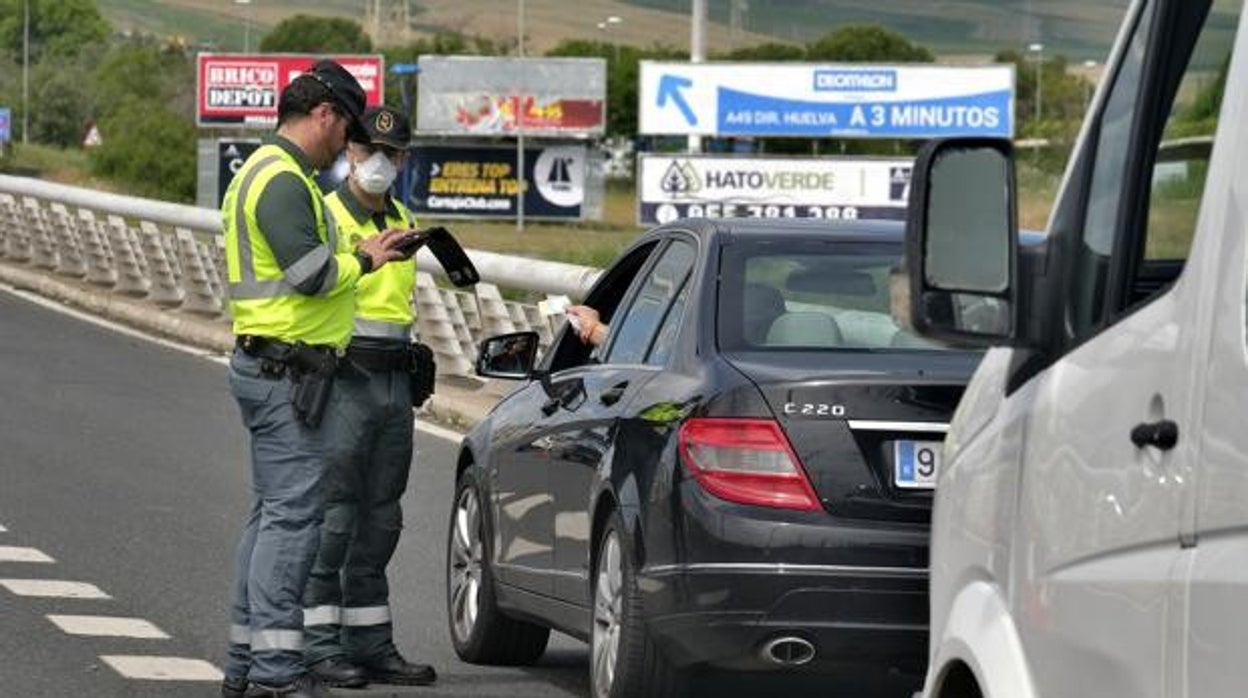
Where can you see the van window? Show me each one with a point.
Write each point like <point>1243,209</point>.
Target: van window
<point>1158,121</point>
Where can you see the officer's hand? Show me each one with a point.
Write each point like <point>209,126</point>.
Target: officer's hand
<point>380,248</point>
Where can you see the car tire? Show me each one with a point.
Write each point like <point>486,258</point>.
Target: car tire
<point>624,661</point>
<point>480,632</point>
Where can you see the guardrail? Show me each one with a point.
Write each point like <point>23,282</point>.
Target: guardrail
<point>174,256</point>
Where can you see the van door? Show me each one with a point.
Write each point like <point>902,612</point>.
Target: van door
<point>1217,623</point>
<point>1110,439</point>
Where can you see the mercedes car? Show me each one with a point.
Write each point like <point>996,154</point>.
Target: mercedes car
<point>738,479</point>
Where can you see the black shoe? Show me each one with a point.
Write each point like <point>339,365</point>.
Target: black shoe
<point>394,669</point>
<point>306,686</point>
<point>234,687</point>
<point>339,673</point>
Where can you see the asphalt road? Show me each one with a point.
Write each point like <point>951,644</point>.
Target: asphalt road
<point>125,462</point>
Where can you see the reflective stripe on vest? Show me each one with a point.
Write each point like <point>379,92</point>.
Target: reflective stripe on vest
<point>382,329</point>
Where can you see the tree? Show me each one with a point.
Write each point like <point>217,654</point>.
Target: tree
<point>867,42</point>
<point>770,51</point>
<point>307,34</point>
<point>65,102</point>
<point>57,27</point>
<point>149,150</point>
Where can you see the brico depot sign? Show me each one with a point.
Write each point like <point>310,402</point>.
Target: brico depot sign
<point>236,89</point>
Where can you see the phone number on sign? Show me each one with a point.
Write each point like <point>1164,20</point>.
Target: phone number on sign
<point>769,211</point>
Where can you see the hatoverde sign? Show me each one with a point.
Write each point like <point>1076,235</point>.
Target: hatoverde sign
<point>819,100</point>
<point>237,89</point>
<point>691,186</point>
<point>480,182</point>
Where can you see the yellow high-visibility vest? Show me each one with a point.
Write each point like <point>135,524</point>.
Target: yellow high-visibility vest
<point>263,301</point>
<point>383,299</point>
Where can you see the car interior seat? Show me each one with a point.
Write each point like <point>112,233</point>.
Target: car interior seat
<point>761,305</point>
<point>805,329</point>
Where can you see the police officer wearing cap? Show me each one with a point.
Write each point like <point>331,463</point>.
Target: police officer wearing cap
<point>292,299</point>
<point>348,624</point>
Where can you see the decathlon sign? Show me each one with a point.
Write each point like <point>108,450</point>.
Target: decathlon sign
<point>818,100</point>
<point>694,186</point>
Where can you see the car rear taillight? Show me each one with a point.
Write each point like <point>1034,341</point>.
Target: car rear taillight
<point>747,461</point>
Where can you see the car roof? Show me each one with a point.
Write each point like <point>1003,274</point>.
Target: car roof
<point>847,230</point>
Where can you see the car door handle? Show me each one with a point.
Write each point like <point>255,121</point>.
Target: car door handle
<point>1163,434</point>
<point>612,395</point>
<point>551,406</point>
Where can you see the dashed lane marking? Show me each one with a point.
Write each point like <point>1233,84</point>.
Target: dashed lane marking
<point>162,668</point>
<point>108,626</point>
<point>52,588</point>
<point>12,553</point>
<point>3,529</point>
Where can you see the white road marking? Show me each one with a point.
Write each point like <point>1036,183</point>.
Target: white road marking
<point>3,529</point>
<point>108,626</point>
<point>50,588</point>
<point>439,432</point>
<point>110,325</point>
<point>162,668</point>
<point>12,553</point>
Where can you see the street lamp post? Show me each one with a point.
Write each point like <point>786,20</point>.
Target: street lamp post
<point>519,107</point>
<point>1038,49</point>
<point>246,25</point>
<point>26,76</point>
<point>604,26</point>
<point>1089,66</point>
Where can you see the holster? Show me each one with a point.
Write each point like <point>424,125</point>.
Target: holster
<point>423,372</point>
<point>312,372</point>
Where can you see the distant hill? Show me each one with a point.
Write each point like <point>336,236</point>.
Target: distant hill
<point>1078,28</point>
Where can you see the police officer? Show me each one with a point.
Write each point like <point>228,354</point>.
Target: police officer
<point>292,300</point>
<point>347,616</point>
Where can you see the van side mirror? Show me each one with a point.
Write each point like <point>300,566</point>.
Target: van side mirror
<point>960,269</point>
<point>509,356</point>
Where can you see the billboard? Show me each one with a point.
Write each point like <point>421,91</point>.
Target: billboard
<point>236,89</point>
<point>487,96</point>
<point>480,181</point>
<point>231,154</point>
<point>694,186</point>
<point>813,100</point>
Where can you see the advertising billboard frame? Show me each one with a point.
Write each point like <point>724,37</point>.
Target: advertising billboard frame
<point>506,90</point>
<point>678,93</point>
<point>248,118</point>
<point>845,160</point>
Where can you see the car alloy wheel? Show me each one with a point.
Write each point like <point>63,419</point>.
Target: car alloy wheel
<point>608,608</point>
<point>465,567</point>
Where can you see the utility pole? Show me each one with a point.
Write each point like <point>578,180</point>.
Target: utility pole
<point>1038,49</point>
<point>26,76</point>
<point>697,52</point>
<point>519,106</point>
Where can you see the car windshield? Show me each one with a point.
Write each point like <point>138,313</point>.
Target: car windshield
<point>780,295</point>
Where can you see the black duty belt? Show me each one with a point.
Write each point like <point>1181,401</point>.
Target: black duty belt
<point>397,359</point>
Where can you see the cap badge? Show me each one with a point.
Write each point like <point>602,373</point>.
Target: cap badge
<point>385,122</point>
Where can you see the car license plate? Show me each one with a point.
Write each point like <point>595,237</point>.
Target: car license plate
<point>916,464</point>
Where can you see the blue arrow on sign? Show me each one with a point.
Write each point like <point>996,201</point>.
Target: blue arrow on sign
<point>670,87</point>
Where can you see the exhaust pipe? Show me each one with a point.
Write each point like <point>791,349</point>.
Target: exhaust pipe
<point>789,650</point>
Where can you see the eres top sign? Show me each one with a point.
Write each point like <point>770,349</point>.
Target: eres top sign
<point>821,100</point>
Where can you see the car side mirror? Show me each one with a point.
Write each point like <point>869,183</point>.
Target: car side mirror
<point>959,275</point>
<point>508,356</point>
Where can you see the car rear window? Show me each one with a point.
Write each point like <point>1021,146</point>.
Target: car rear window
<point>782,296</point>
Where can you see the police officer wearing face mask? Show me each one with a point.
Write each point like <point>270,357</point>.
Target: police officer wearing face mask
<point>347,619</point>
<point>291,288</point>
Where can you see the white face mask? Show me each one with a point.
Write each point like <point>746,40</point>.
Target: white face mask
<point>376,174</point>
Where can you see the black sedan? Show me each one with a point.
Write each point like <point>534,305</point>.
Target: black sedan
<point>739,478</point>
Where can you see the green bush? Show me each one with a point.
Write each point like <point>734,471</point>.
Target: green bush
<point>148,150</point>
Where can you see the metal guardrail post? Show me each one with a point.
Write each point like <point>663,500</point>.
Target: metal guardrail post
<point>42,245</point>
<point>99,255</point>
<point>197,275</point>
<point>131,276</point>
<point>64,228</point>
<point>495,316</point>
<point>166,289</point>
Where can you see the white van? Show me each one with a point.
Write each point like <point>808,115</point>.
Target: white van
<point>1090,531</point>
